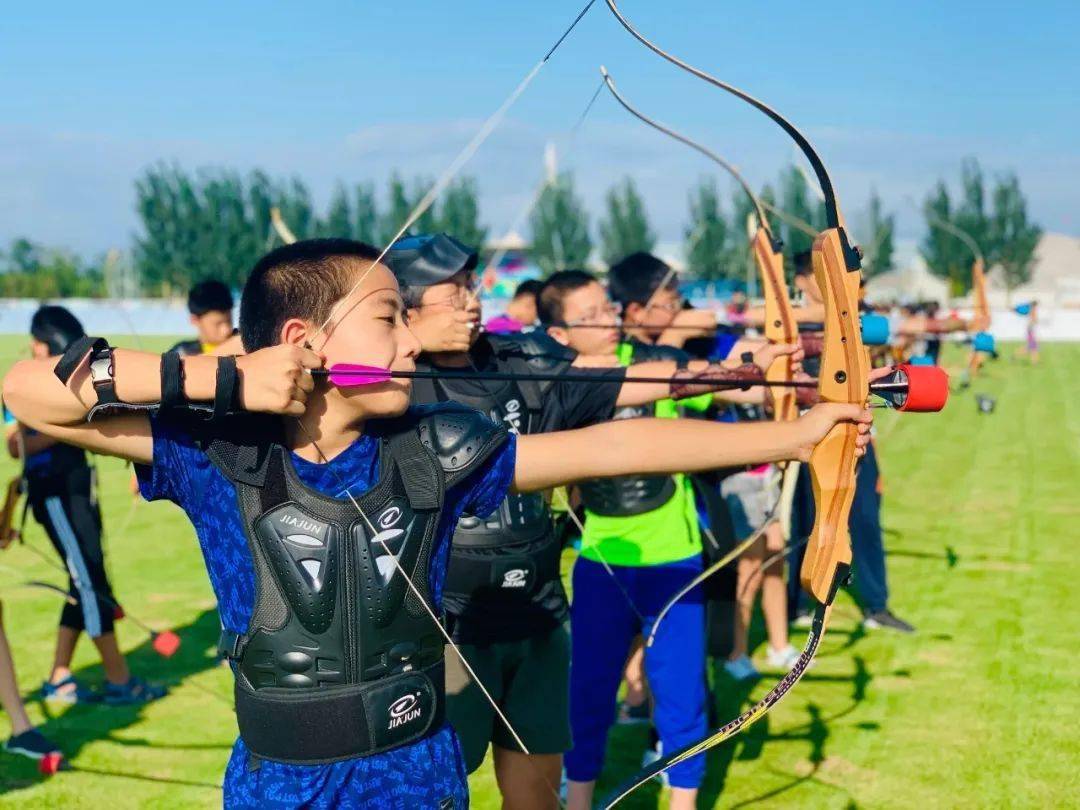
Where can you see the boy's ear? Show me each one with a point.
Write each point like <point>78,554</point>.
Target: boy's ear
<point>632,311</point>
<point>194,320</point>
<point>296,332</point>
<point>559,335</point>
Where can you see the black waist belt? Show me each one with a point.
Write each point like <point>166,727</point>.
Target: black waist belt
<point>317,726</point>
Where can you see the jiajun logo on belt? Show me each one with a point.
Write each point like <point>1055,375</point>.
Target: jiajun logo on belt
<point>404,710</point>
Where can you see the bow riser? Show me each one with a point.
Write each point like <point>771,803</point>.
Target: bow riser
<point>844,377</point>
<point>780,323</point>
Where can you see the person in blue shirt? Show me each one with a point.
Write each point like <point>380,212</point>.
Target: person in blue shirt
<point>324,513</point>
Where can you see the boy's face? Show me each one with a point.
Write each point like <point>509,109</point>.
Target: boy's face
<point>456,293</point>
<point>369,329</point>
<point>585,309</point>
<point>657,314</point>
<point>523,309</point>
<point>214,327</point>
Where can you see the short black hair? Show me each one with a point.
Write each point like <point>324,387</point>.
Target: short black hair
<point>210,295</point>
<point>804,262</point>
<point>302,280</point>
<point>530,286</point>
<point>549,300</point>
<point>56,327</point>
<point>635,279</point>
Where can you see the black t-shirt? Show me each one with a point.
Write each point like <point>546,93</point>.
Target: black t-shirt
<point>480,613</point>
<point>566,404</point>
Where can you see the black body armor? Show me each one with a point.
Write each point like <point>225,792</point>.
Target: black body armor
<point>503,583</point>
<point>341,659</point>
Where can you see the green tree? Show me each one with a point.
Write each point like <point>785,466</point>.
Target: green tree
<point>560,228</point>
<point>30,270</point>
<point>797,199</point>
<point>945,255</point>
<point>1012,237</point>
<point>708,234</point>
<point>625,229</point>
<point>365,214</point>
<point>879,245</point>
<point>401,201</point>
<point>738,256</point>
<point>459,213</point>
<point>339,216</point>
<point>210,224</point>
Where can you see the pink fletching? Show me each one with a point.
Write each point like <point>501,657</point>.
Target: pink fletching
<point>344,375</point>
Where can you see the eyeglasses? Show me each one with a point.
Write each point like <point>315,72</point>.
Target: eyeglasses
<point>610,311</point>
<point>462,295</point>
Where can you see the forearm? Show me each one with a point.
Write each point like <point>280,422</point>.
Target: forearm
<point>649,447</point>
<point>38,399</point>
<point>633,393</point>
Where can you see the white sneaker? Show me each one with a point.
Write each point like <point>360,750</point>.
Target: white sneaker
<point>783,659</point>
<point>742,669</point>
<point>803,621</point>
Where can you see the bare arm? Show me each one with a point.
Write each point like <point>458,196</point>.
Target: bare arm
<point>666,446</point>
<point>39,400</point>
<point>272,380</point>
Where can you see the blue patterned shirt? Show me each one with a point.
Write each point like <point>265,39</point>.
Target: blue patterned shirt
<point>427,773</point>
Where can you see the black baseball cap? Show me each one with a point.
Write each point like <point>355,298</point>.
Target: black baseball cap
<point>420,261</point>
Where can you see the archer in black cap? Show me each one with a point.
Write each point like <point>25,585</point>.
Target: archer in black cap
<point>427,259</point>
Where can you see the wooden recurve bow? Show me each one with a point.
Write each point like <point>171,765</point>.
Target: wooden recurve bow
<point>780,325</point>
<point>844,378</point>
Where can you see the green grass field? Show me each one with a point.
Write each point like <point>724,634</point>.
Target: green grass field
<point>976,710</point>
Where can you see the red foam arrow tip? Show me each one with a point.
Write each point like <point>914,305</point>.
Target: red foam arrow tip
<point>166,643</point>
<point>928,388</point>
<point>345,375</point>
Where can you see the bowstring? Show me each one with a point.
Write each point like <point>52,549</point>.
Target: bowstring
<point>455,166</point>
<point>399,568</point>
<point>744,720</point>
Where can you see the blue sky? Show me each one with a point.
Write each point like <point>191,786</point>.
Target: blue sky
<point>894,94</point>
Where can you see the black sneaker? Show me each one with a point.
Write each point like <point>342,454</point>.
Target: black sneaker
<point>31,743</point>
<point>884,618</point>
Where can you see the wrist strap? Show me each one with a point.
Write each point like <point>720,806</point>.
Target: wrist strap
<point>226,388</point>
<point>172,381</point>
<point>75,355</point>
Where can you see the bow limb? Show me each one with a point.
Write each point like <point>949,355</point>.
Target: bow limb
<point>780,324</point>
<point>277,222</point>
<point>844,378</point>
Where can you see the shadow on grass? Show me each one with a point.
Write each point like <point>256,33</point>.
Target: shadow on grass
<point>627,744</point>
<point>815,732</point>
<point>80,725</point>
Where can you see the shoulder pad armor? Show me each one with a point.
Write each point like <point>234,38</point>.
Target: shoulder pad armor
<point>461,438</point>
<point>542,353</point>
